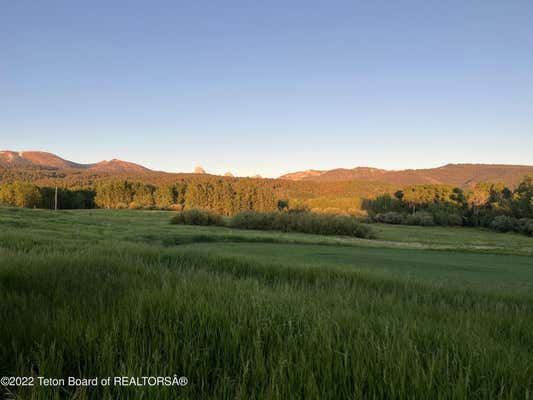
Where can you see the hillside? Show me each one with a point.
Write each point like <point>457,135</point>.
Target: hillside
<point>461,175</point>
<point>39,166</point>
<point>40,160</point>
<point>334,190</point>
<point>36,160</point>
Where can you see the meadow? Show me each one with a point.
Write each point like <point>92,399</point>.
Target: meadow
<point>417,312</point>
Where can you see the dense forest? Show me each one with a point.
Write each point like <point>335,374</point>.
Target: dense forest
<point>490,205</point>
<point>223,196</point>
<point>487,204</point>
<point>332,197</point>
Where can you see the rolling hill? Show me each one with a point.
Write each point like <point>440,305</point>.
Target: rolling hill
<point>41,167</point>
<point>461,175</point>
<point>339,190</point>
<point>40,160</point>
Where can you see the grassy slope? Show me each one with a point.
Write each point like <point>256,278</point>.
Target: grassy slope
<point>100,293</point>
<point>440,268</point>
<point>154,227</point>
<point>458,238</point>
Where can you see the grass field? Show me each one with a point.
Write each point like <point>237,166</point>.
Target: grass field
<point>416,313</point>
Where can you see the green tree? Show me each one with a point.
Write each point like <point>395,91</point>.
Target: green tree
<point>165,197</point>
<point>522,198</point>
<point>21,194</point>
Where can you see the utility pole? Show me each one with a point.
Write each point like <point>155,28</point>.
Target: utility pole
<point>55,200</point>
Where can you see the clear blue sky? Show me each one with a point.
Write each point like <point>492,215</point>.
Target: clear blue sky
<point>269,87</point>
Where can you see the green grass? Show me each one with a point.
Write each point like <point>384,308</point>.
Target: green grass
<point>417,313</point>
<point>457,238</point>
<point>445,268</point>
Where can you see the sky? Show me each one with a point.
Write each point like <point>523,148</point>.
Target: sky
<point>269,87</point>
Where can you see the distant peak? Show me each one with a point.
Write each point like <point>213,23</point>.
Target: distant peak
<point>50,161</point>
<point>116,165</point>
<point>460,175</point>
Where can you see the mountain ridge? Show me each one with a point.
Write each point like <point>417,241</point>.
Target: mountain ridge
<point>49,161</point>
<point>462,175</point>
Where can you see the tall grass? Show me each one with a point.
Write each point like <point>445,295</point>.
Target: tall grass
<point>247,330</point>
<point>243,330</point>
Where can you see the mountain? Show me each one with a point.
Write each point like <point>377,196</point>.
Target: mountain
<point>117,166</point>
<point>39,166</point>
<point>40,160</point>
<point>36,160</point>
<point>302,175</point>
<point>462,175</point>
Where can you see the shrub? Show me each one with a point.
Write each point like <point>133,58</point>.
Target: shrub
<point>528,230</point>
<point>444,218</point>
<point>503,223</point>
<point>421,218</point>
<point>196,217</point>
<point>525,226</point>
<point>253,220</point>
<point>304,222</point>
<point>391,217</point>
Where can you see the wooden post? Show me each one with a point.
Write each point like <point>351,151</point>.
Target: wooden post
<point>55,200</point>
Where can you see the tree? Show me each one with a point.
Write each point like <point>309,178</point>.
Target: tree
<point>522,202</point>
<point>21,194</point>
<point>165,197</point>
<point>477,198</point>
<point>384,203</point>
<point>114,194</point>
<point>283,205</point>
<point>143,196</point>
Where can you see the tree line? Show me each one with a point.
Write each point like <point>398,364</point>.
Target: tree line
<point>223,196</point>
<point>491,205</point>
<point>339,197</point>
<point>487,204</point>
<point>28,195</point>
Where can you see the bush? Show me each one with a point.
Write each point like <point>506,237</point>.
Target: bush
<point>421,218</point>
<point>304,222</point>
<point>253,220</point>
<point>525,226</point>
<point>528,230</point>
<point>391,217</point>
<point>196,217</point>
<point>503,223</point>
<point>444,218</point>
